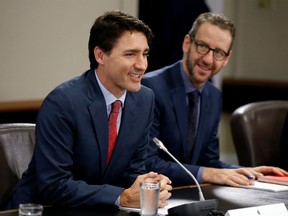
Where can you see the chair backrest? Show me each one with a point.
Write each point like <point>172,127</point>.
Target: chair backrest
<point>17,141</point>
<point>257,129</point>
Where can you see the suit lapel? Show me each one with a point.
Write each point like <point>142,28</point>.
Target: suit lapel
<point>100,122</point>
<point>178,97</point>
<point>98,112</point>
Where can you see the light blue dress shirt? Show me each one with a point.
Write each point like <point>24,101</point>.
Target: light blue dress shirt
<point>109,99</point>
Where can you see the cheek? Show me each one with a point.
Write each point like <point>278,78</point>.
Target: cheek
<point>217,68</point>
<point>146,63</point>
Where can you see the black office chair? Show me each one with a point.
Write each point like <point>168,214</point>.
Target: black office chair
<point>258,133</point>
<point>17,141</point>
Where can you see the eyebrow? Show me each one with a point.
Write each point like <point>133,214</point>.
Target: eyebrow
<point>136,50</point>
<point>217,48</point>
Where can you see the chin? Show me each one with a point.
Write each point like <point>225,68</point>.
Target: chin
<point>134,88</point>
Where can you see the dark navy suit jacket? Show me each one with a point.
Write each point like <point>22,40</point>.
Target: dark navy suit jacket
<point>68,167</point>
<point>171,126</point>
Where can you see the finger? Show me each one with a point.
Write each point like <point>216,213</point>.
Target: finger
<point>168,188</point>
<point>248,173</point>
<point>237,180</point>
<point>279,171</point>
<point>163,204</point>
<point>166,178</point>
<point>164,195</point>
<point>153,176</point>
<point>165,186</point>
<point>266,170</point>
<point>162,179</point>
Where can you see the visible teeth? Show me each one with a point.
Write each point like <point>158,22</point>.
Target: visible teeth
<point>135,75</point>
<point>204,68</point>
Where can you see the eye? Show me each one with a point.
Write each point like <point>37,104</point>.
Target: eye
<point>219,52</point>
<point>129,54</point>
<point>202,48</point>
<point>202,45</point>
<point>146,54</point>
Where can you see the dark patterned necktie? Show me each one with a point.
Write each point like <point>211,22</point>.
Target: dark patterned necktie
<point>193,115</point>
<point>112,125</point>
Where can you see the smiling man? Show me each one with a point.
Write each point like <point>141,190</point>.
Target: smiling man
<point>192,136</point>
<point>81,160</point>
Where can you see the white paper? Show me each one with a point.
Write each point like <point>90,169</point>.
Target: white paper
<point>162,211</point>
<point>266,186</point>
<point>277,209</point>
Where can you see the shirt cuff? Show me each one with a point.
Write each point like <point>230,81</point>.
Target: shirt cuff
<point>199,175</point>
<point>117,202</point>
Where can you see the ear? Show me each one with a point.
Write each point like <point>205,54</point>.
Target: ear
<point>186,43</point>
<point>227,58</point>
<point>99,55</point>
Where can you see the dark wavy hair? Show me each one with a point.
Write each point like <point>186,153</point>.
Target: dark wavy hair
<point>109,27</point>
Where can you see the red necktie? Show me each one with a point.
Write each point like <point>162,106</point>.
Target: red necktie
<point>112,125</point>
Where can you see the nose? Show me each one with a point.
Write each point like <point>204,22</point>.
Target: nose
<point>141,63</point>
<point>208,58</point>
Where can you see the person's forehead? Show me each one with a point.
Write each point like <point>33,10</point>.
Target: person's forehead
<point>210,33</point>
<point>135,38</point>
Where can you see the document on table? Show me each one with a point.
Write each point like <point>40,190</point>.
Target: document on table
<point>282,180</point>
<point>162,211</point>
<point>266,186</point>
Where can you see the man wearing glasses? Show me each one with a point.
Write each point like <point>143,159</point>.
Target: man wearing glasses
<point>192,136</point>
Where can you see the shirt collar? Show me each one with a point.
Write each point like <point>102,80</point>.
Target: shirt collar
<point>189,87</point>
<point>110,98</point>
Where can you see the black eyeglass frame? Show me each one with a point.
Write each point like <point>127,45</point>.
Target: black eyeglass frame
<point>197,43</point>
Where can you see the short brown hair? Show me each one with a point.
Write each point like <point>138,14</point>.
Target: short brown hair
<point>219,20</point>
<point>109,27</point>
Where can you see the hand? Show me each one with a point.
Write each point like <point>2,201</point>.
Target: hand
<point>165,188</point>
<point>230,177</point>
<point>267,170</point>
<point>131,197</point>
<point>240,176</point>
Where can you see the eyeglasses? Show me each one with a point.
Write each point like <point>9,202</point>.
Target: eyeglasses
<point>203,49</point>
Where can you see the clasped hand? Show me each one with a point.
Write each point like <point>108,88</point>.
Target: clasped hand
<point>131,197</point>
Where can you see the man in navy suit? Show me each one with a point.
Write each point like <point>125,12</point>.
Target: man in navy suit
<point>206,49</point>
<point>69,166</point>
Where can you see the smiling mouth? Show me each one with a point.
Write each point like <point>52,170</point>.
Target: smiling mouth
<point>204,68</point>
<point>133,75</point>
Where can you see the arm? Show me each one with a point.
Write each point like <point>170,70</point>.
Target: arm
<point>55,159</point>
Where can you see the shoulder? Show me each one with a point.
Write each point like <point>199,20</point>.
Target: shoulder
<point>71,86</point>
<point>145,94</point>
<point>212,97</point>
<point>141,102</point>
<point>68,92</point>
<point>162,72</point>
<point>166,77</point>
<point>211,90</point>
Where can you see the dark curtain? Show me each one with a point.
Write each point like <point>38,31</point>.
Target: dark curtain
<point>169,20</point>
